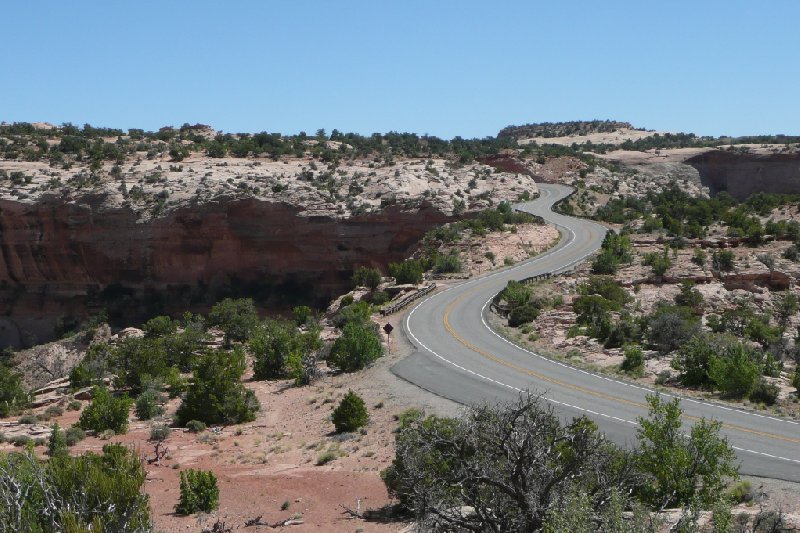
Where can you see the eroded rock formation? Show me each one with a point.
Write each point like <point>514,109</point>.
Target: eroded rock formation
<point>63,260</point>
<point>743,174</point>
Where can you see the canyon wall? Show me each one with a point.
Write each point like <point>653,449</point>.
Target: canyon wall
<point>743,174</point>
<point>65,260</point>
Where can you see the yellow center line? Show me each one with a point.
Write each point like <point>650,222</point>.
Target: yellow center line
<point>578,388</point>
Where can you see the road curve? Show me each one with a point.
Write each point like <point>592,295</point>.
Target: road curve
<point>458,356</point>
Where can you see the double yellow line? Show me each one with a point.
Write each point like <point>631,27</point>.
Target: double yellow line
<point>571,386</point>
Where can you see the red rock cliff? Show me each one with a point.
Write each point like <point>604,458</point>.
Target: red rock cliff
<point>63,260</point>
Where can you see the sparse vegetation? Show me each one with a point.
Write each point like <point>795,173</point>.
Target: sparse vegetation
<point>350,414</point>
<point>216,394</point>
<point>199,492</point>
<point>106,412</point>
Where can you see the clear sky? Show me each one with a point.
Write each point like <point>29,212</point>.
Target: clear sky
<point>445,68</point>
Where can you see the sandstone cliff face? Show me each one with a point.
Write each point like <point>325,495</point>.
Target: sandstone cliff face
<point>68,259</point>
<point>744,174</point>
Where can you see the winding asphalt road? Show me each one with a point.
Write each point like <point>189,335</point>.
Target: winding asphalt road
<point>458,356</point>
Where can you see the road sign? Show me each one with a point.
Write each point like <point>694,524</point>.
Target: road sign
<point>388,328</point>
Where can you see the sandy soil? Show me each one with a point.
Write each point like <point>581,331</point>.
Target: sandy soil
<point>273,460</point>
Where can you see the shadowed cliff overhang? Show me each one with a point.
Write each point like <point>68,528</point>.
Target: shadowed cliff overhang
<point>743,174</point>
<point>64,259</point>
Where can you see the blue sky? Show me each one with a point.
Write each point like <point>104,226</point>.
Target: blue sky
<point>445,68</point>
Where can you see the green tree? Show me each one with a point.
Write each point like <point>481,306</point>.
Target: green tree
<point>160,326</point>
<point>690,297</point>
<point>106,412</point>
<point>723,261</point>
<point>693,361</point>
<point>216,394</point>
<point>350,414</point>
<point>513,464</point>
<point>409,271</point>
<point>104,492</point>
<point>699,257</point>
<point>633,363</point>
<point>670,326</point>
<point>275,342</point>
<point>367,277</point>
<point>358,346</point>
<point>615,250</point>
<point>199,492</point>
<point>57,443</point>
<point>736,373</point>
<point>658,262</point>
<point>682,468</point>
<point>235,317</point>
<point>13,396</point>
<point>147,405</point>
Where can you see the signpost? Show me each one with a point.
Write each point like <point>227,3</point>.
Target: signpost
<point>388,329</point>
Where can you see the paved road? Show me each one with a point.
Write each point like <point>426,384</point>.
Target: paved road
<point>459,357</point>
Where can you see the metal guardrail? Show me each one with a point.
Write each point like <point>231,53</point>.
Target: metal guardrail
<point>388,310</point>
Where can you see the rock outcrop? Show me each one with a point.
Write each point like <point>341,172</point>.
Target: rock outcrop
<point>63,260</point>
<point>743,174</point>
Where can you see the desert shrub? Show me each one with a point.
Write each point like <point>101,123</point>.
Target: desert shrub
<point>74,405</point>
<point>524,314</point>
<point>326,457</point>
<point>693,360</point>
<point>742,492</point>
<point>724,260</point>
<point>160,326</point>
<point>658,262</point>
<point>358,346</point>
<point>736,373</point>
<point>216,394</point>
<point>796,380</point>
<point>442,465</point>
<point>689,296</point>
<point>13,397</point>
<point>615,250</point>
<point>608,288</point>
<point>347,299</point>
<point>634,360</point>
<point>682,468</point>
<point>764,392</point>
<point>159,432</point>
<point>28,419</point>
<point>93,367</point>
<point>367,277</point>
<point>195,426</point>
<point>106,412</point>
<point>148,405</point>
<point>302,314</point>
<point>670,326</point>
<point>275,342</point>
<point>199,492</point>
<point>516,294</point>
<point>409,271</point>
<point>236,318</point>
<point>53,411</point>
<point>354,312</point>
<point>444,264</point>
<point>792,253</point>
<point>699,257</point>
<point>74,435</point>
<point>136,360</point>
<point>57,443</point>
<point>104,492</point>
<point>350,414</point>
<point>379,298</point>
